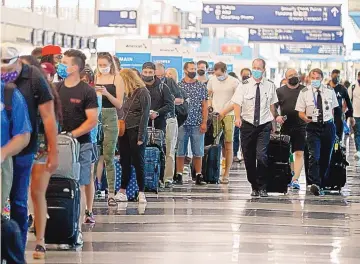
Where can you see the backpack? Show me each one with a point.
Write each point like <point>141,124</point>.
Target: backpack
<point>181,111</point>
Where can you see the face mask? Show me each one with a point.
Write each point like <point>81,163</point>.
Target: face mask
<point>147,79</point>
<point>222,78</point>
<point>191,75</point>
<point>315,83</point>
<point>104,70</point>
<point>62,71</point>
<point>201,72</point>
<point>257,74</point>
<point>245,78</point>
<point>8,77</point>
<point>294,81</point>
<point>335,80</point>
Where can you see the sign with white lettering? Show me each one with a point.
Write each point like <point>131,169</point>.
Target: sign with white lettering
<point>171,56</point>
<point>311,50</point>
<point>133,53</point>
<point>254,15</point>
<point>117,18</point>
<point>311,36</point>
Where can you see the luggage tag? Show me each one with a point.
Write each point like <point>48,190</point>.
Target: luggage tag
<point>336,147</point>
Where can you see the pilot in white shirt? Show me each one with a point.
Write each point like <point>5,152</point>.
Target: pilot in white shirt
<point>354,94</point>
<point>254,108</point>
<point>315,105</point>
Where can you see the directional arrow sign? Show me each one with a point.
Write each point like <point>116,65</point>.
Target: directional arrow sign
<point>256,15</point>
<point>269,35</point>
<point>311,50</point>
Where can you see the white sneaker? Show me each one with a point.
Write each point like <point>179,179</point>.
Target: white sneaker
<point>357,156</point>
<point>121,197</point>
<point>142,198</point>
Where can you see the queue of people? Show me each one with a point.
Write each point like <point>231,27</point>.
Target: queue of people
<point>54,92</point>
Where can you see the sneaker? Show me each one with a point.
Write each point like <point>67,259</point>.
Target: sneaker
<point>315,190</point>
<point>200,180</point>
<point>357,156</point>
<point>79,240</point>
<point>121,197</point>
<point>295,185</point>
<point>168,184</point>
<point>89,217</point>
<point>142,198</point>
<point>178,179</point>
<point>321,192</point>
<point>263,193</point>
<point>161,185</point>
<point>236,159</point>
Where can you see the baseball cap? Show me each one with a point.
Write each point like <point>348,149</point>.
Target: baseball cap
<point>50,50</point>
<point>8,54</point>
<point>48,68</point>
<point>149,65</point>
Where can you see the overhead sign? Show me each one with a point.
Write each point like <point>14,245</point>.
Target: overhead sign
<point>313,36</point>
<point>311,50</point>
<point>231,49</point>
<point>171,56</point>
<point>300,16</point>
<point>117,18</point>
<point>356,46</point>
<point>133,53</point>
<point>164,30</point>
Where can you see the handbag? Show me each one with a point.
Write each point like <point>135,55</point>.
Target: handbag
<point>121,122</point>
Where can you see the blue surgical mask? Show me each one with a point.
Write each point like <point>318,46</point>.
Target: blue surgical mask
<point>257,74</point>
<point>222,77</point>
<point>62,71</point>
<point>315,83</point>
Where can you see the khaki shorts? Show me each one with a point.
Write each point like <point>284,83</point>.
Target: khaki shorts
<point>227,126</point>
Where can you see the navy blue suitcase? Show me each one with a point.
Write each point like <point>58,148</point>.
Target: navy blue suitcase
<point>152,168</point>
<point>211,164</point>
<point>132,190</point>
<point>63,202</point>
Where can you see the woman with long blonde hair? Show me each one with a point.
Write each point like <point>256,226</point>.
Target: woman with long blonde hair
<point>109,84</point>
<point>172,74</point>
<point>135,114</point>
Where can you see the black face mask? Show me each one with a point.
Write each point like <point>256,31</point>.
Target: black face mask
<point>201,72</point>
<point>245,78</point>
<point>294,81</point>
<point>191,75</point>
<point>335,80</point>
<point>147,79</point>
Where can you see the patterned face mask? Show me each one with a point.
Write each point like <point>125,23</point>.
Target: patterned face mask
<point>8,77</point>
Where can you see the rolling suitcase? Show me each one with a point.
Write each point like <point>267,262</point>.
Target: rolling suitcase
<point>279,169</point>
<point>211,163</point>
<point>63,201</point>
<point>152,168</point>
<point>336,176</point>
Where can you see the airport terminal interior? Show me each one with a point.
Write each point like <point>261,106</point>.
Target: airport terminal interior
<point>203,45</point>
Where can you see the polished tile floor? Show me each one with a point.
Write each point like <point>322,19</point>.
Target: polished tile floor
<point>222,224</point>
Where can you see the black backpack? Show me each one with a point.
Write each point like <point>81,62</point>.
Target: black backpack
<point>182,111</point>
<point>8,95</point>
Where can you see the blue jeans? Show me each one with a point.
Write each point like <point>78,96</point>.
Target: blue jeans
<point>236,144</point>
<point>357,133</point>
<point>19,193</point>
<point>196,139</point>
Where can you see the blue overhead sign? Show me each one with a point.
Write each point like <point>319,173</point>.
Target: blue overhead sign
<point>356,46</point>
<point>133,60</point>
<point>170,62</point>
<point>117,18</point>
<point>314,36</point>
<point>252,15</point>
<point>311,50</point>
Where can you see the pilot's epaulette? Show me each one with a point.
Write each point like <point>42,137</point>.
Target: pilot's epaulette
<point>245,82</point>
<point>304,89</point>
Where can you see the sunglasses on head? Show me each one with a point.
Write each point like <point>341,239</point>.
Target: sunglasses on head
<point>59,57</point>
<point>9,61</point>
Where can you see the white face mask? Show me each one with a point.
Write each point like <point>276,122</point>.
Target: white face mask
<point>104,70</point>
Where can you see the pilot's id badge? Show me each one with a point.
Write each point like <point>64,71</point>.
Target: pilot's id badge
<point>316,112</point>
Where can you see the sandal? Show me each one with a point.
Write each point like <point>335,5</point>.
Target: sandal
<point>224,180</point>
<point>39,252</point>
<point>112,202</point>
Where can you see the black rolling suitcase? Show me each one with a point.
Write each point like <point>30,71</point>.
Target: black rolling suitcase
<point>63,201</point>
<point>336,176</point>
<point>279,164</point>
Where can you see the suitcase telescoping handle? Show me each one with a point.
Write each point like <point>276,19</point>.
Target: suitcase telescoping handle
<point>219,132</point>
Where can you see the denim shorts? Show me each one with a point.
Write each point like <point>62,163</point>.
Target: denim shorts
<point>196,140</point>
<point>94,153</point>
<point>85,159</point>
